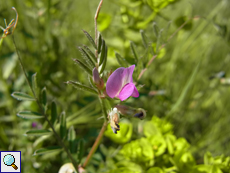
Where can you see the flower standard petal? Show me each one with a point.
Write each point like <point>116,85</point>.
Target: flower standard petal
<point>120,84</point>
<point>126,91</point>
<point>127,78</point>
<point>115,82</point>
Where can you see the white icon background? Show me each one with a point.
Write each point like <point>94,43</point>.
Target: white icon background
<point>17,157</point>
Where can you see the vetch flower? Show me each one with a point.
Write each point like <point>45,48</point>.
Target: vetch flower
<point>120,84</point>
<point>97,80</point>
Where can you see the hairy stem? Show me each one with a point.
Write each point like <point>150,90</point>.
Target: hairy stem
<point>99,137</point>
<point>42,111</point>
<point>95,23</point>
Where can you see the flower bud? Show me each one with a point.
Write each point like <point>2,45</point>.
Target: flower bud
<point>97,80</point>
<point>96,77</point>
<point>134,112</point>
<point>141,113</point>
<point>125,110</point>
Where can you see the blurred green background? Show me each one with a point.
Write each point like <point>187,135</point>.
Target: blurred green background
<point>187,84</point>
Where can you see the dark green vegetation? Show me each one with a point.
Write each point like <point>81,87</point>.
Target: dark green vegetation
<point>187,84</point>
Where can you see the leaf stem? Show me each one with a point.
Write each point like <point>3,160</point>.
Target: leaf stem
<point>42,110</point>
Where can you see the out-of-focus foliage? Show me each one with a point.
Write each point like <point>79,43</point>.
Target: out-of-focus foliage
<point>186,85</point>
<point>159,151</point>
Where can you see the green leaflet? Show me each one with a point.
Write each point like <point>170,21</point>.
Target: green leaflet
<point>47,150</point>
<point>90,53</point>
<point>133,50</point>
<point>22,96</point>
<point>82,87</point>
<point>102,55</point>
<point>121,60</point>
<point>72,139</point>
<point>90,39</point>
<point>87,57</point>
<point>29,115</point>
<point>34,82</point>
<point>63,125</point>
<point>38,132</point>
<point>83,66</point>
<point>53,112</point>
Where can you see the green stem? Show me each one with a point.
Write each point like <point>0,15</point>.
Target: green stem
<point>41,109</point>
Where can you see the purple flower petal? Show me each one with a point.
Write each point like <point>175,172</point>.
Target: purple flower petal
<point>114,83</point>
<point>126,91</point>
<point>135,92</point>
<point>128,75</point>
<point>120,83</point>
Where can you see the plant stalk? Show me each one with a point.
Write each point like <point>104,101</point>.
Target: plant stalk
<point>95,145</point>
<point>95,23</point>
<point>44,114</point>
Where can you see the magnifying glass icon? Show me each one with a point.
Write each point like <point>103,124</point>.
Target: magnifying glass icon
<point>9,160</point>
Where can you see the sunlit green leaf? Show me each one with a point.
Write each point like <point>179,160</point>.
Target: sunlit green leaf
<point>34,81</point>
<point>83,66</point>
<point>47,150</point>
<point>156,30</point>
<point>38,132</point>
<point>53,112</point>
<point>90,53</point>
<point>99,43</point>
<point>63,129</point>
<point>87,57</point>
<point>22,96</point>
<point>91,40</point>
<point>102,55</point>
<point>72,139</point>
<point>102,67</point>
<point>44,98</point>
<point>80,151</point>
<point>121,60</point>
<point>82,87</point>
<point>29,115</point>
<point>133,50</point>
<point>144,39</point>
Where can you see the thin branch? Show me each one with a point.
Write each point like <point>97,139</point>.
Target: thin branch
<point>99,137</point>
<point>95,145</point>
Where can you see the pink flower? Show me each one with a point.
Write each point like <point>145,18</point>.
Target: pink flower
<point>120,84</point>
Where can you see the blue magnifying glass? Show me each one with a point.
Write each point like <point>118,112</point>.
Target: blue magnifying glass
<point>9,160</point>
